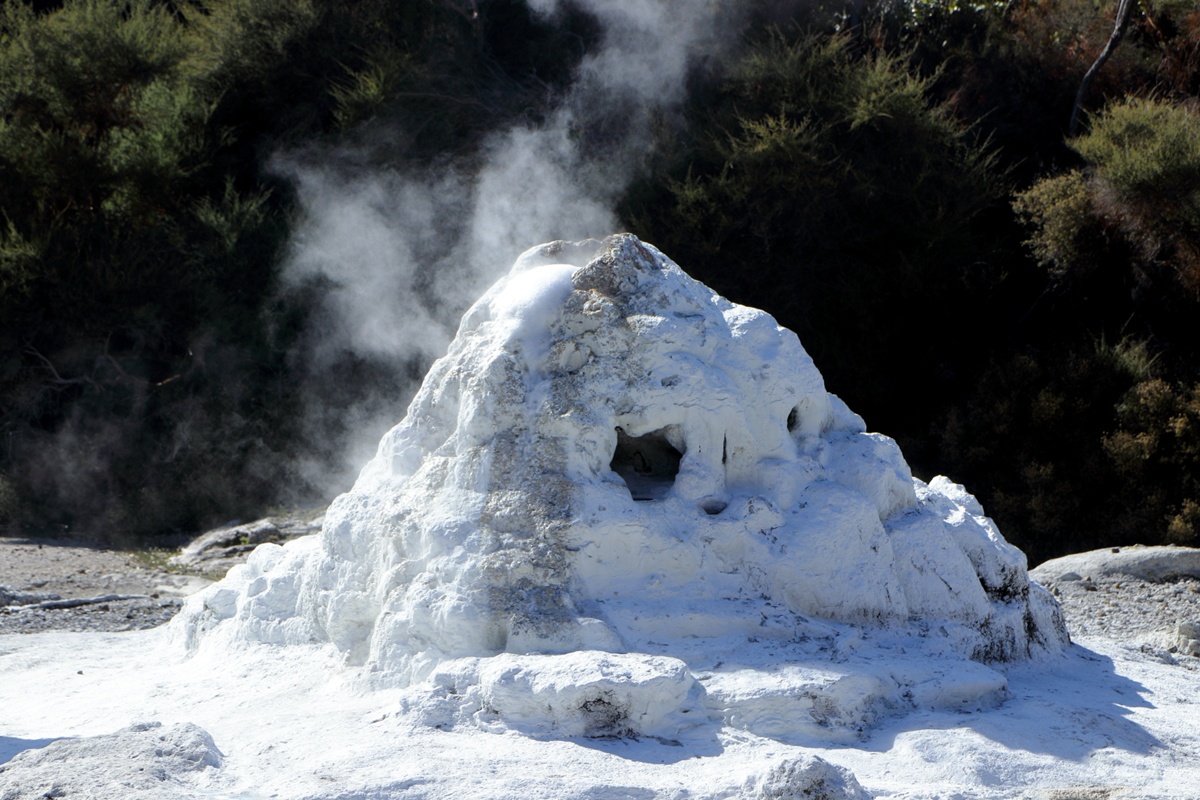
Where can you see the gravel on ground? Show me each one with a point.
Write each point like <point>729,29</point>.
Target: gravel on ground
<point>126,591</point>
<point>1143,597</point>
<point>1127,609</point>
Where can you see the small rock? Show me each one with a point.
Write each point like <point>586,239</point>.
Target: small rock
<point>805,776</point>
<point>12,597</point>
<point>221,548</point>
<point>143,761</point>
<point>1187,636</point>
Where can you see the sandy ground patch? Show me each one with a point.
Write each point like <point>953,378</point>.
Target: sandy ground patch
<point>34,572</point>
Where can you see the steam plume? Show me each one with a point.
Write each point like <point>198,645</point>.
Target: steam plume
<point>405,254</point>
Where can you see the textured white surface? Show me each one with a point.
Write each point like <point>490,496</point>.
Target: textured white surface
<point>613,458</point>
<point>147,761</point>
<point>1101,721</point>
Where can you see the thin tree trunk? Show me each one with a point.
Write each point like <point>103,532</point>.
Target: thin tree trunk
<point>1124,12</point>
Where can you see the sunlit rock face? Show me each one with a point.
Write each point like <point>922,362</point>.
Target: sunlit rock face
<point>613,458</point>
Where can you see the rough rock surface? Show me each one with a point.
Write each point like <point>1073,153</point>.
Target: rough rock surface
<point>142,762</point>
<point>807,777</point>
<point>1155,564</point>
<point>612,459</point>
<point>136,613</point>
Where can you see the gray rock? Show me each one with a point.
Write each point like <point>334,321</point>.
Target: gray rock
<point>1187,638</point>
<point>1160,611</point>
<point>141,762</point>
<point>219,549</point>
<point>14,597</point>
<point>119,615</point>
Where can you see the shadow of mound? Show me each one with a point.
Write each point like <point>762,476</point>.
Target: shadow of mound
<point>656,749</point>
<point>10,746</point>
<point>1067,707</point>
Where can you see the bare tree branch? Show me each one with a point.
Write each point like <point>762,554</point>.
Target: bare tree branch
<point>1124,12</point>
<point>57,379</point>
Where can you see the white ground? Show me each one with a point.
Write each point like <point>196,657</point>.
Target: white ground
<point>1106,720</point>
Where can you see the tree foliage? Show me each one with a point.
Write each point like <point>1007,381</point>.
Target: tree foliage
<point>891,178</point>
<point>144,347</point>
<point>123,256</point>
<point>1030,438</point>
<point>1156,448</point>
<point>1127,223</point>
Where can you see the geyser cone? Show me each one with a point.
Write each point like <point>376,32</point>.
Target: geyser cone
<point>611,457</point>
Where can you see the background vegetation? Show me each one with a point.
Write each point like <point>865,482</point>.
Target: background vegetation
<point>891,178</point>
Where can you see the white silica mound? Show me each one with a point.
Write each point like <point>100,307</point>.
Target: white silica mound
<point>621,502</point>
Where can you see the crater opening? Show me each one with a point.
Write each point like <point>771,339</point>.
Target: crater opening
<point>648,464</point>
<point>793,420</point>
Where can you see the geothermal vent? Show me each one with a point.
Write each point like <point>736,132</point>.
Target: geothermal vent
<point>617,499</point>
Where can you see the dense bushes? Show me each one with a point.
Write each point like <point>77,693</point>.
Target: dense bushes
<point>1029,437</point>
<point>1128,221</point>
<point>145,375</point>
<point>1080,445</point>
<point>127,265</point>
<point>828,188</point>
<point>891,179</point>
<point>1156,450</point>
<point>1118,238</point>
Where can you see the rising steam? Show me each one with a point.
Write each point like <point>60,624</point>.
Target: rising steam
<point>403,255</point>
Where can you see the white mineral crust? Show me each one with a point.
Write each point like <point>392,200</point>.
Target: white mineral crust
<point>611,467</point>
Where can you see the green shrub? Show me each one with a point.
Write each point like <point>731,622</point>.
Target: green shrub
<point>1080,446</point>
<point>364,93</point>
<point>1066,233</point>
<point>100,141</point>
<point>1142,147</point>
<point>1013,67</point>
<point>1145,156</point>
<point>127,262</point>
<point>1030,442</point>
<point>1156,449</point>
<point>1128,222</point>
<point>18,265</point>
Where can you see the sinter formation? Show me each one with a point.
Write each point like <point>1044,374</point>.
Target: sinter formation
<point>617,499</point>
